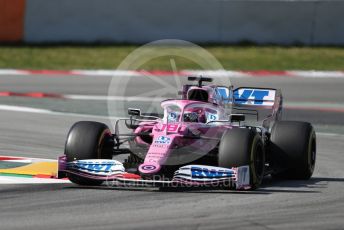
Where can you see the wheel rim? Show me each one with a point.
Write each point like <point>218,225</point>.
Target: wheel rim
<point>312,155</point>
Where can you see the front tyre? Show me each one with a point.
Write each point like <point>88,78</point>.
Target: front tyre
<point>88,140</point>
<point>240,147</point>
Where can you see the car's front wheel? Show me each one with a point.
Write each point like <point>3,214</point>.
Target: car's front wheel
<point>88,140</point>
<point>240,147</point>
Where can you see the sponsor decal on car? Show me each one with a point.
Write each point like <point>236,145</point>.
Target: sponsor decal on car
<point>210,172</point>
<point>160,146</point>
<point>148,167</point>
<point>170,127</point>
<point>211,117</point>
<point>223,94</point>
<point>99,167</point>
<point>206,175</point>
<point>163,140</point>
<point>249,96</point>
<point>173,117</point>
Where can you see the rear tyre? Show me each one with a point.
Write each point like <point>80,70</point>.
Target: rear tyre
<point>88,140</point>
<point>293,149</point>
<point>240,147</point>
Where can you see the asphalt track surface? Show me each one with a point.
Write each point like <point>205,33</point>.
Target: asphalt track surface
<point>314,204</point>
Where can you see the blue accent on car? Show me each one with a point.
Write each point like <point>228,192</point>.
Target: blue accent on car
<point>163,140</point>
<point>104,167</point>
<point>173,117</point>
<point>223,95</point>
<point>257,95</point>
<point>197,172</point>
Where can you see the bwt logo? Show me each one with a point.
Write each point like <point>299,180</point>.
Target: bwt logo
<point>95,167</point>
<point>250,94</point>
<point>197,172</point>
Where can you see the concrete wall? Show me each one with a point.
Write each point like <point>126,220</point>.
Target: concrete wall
<point>220,21</point>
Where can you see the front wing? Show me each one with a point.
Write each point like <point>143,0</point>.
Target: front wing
<point>113,173</point>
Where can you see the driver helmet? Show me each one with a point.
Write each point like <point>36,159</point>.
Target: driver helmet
<point>190,117</point>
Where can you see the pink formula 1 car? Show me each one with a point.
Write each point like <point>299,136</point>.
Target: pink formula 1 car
<point>202,139</point>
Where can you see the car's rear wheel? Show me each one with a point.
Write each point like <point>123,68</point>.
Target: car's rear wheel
<point>88,140</point>
<point>293,149</point>
<point>240,147</point>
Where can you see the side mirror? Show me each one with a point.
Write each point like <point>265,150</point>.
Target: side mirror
<point>134,112</point>
<point>131,124</point>
<point>237,117</point>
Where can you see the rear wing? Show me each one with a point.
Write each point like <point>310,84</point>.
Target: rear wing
<point>258,99</point>
<point>256,96</point>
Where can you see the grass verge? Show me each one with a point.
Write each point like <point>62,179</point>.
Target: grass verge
<point>231,57</point>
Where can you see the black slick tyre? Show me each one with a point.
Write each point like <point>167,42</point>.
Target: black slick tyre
<point>293,149</point>
<point>88,140</point>
<point>240,147</point>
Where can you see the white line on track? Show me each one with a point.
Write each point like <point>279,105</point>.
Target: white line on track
<point>27,180</point>
<point>330,134</point>
<point>325,106</point>
<point>210,73</point>
<point>17,161</point>
<point>24,109</point>
<point>111,98</point>
<point>5,72</point>
<point>29,159</point>
<point>305,105</point>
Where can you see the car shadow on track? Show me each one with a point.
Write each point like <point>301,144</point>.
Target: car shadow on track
<point>170,189</point>
<point>313,185</point>
<point>269,186</point>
